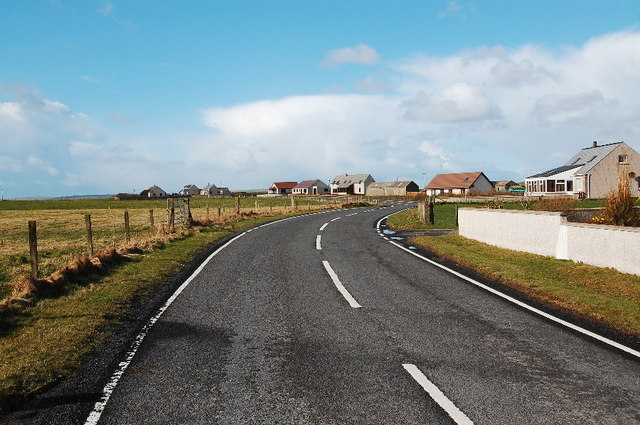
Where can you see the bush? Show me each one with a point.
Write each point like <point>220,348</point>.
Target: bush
<point>555,204</point>
<point>620,209</point>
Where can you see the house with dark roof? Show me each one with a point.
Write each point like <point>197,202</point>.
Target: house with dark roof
<point>459,184</point>
<point>351,184</point>
<point>590,173</point>
<point>397,188</point>
<point>209,190</point>
<point>311,187</point>
<point>281,188</point>
<point>190,190</point>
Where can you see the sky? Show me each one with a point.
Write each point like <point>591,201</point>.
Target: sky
<point>109,96</point>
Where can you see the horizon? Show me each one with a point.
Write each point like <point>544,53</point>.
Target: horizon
<point>108,96</point>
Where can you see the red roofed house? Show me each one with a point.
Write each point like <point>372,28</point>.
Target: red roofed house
<point>459,184</point>
<point>281,188</point>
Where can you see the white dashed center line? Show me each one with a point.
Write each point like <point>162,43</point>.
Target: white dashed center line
<point>438,396</point>
<point>318,240</point>
<point>352,302</point>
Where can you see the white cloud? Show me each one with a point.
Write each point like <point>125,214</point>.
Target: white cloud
<point>457,103</point>
<point>455,9</point>
<point>106,9</point>
<point>360,54</point>
<point>371,85</point>
<point>43,165</point>
<point>10,165</point>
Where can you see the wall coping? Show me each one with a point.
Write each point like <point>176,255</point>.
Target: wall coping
<point>508,211</point>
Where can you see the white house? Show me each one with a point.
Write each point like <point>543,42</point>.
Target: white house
<point>281,188</point>
<point>459,184</point>
<point>311,187</point>
<point>591,173</point>
<point>190,190</point>
<point>351,184</point>
<point>155,192</point>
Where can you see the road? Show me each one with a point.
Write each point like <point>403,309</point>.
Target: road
<point>320,320</point>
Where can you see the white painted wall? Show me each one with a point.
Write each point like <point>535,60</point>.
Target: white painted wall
<point>548,233</point>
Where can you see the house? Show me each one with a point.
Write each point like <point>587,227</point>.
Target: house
<point>311,187</point>
<point>209,190</point>
<point>224,191</point>
<point>351,184</point>
<point>505,185</point>
<point>397,188</point>
<point>155,192</point>
<point>590,173</point>
<point>189,190</point>
<point>281,188</point>
<point>459,184</point>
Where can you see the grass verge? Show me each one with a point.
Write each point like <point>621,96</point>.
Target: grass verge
<point>601,296</point>
<point>47,341</point>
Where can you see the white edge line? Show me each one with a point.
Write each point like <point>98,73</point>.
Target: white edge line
<point>515,301</point>
<point>438,396</point>
<point>318,240</point>
<point>336,281</point>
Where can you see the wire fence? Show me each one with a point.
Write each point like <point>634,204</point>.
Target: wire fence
<point>67,234</point>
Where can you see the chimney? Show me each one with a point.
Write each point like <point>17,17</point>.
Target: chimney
<point>595,144</point>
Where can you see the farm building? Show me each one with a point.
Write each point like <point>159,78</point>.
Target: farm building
<point>156,192</point>
<point>505,185</point>
<point>311,187</point>
<point>190,190</point>
<point>281,188</point>
<point>209,190</point>
<point>224,191</point>
<point>397,188</point>
<point>591,173</point>
<point>459,184</point>
<point>351,184</point>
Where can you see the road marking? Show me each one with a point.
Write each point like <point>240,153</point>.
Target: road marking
<point>352,302</point>
<point>438,396</point>
<point>513,300</point>
<point>337,218</point>
<point>318,245</point>
<point>98,408</point>
<point>324,226</point>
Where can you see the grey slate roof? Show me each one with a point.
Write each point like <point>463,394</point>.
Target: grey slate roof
<point>346,180</point>
<point>585,159</point>
<point>402,184</point>
<point>307,184</point>
<point>589,157</point>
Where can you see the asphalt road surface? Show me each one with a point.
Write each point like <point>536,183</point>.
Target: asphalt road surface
<point>320,320</point>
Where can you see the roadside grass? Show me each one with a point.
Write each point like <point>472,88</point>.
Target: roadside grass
<point>47,340</point>
<point>600,295</point>
<point>444,215</point>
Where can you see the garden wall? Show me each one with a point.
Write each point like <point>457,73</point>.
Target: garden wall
<point>548,233</point>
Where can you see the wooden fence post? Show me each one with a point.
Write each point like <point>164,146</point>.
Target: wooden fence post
<point>431,220</point>
<point>219,211</point>
<point>293,203</point>
<point>127,230</point>
<point>187,210</point>
<point>87,224</point>
<point>237,204</point>
<point>33,248</point>
<point>152,225</point>
<point>171,215</point>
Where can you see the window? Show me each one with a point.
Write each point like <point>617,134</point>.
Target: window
<point>622,159</point>
<point>466,179</point>
<point>560,185</point>
<point>592,158</point>
<point>569,185</point>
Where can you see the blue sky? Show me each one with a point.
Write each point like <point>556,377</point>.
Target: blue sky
<point>112,96</point>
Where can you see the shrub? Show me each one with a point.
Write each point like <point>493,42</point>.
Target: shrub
<point>555,204</point>
<point>620,209</point>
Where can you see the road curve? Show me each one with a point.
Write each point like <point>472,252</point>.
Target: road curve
<point>319,320</point>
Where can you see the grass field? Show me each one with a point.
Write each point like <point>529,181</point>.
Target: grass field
<point>62,234</point>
